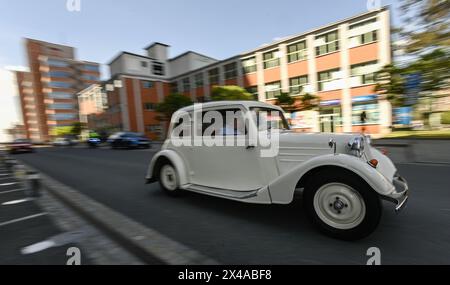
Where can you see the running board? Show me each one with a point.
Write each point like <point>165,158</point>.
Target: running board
<point>224,193</point>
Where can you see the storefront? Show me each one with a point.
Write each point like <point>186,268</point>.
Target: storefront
<point>330,116</point>
<point>367,113</point>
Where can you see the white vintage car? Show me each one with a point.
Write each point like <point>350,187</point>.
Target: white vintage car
<point>342,177</point>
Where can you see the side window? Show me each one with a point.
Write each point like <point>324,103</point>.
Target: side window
<point>182,126</point>
<point>225,122</point>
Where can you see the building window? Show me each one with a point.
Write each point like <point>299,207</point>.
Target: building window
<point>63,117</point>
<point>214,76</point>
<point>230,71</point>
<point>144,64</point>
<point>186,85</point>
<point>273,89</point>
<point>158,68</point>
<point>61,106</point>
<point>91,68</point>
<point>199,80</point>
<point>327,43</point>
<point>60,95</point>
<point>297,52</point>
<point>57,63</point>
<point>174,87</point>
<point>326,78</point>
<point>363,23</point>
<point>150,106</point>
<point>249,65</point>
<point>364,73</point>
<point>91,77</point>
<point>271,59</point>
<point>59,74</point>
<point>147,84</point>
<point>254,91</point>
<point>58,84</point>
<point>296,84</point>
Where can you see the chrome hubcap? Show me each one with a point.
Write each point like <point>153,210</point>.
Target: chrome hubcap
<point>339,206</point>
<point>169,177</point>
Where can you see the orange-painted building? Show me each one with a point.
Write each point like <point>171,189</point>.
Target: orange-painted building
<point>48,91</point>
<point>337,62</point>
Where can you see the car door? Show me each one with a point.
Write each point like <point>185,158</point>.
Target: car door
<point>234,166</point>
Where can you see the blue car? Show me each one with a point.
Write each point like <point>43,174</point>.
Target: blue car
<point>128,140</point>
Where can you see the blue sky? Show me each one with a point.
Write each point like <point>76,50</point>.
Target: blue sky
<point>103,28</point>
<point>216,28</point>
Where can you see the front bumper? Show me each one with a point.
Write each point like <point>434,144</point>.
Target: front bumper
<point>400,195</point>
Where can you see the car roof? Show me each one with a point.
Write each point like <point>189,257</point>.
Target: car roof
<point>246,104</point>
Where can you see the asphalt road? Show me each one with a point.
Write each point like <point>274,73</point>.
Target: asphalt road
<point>236,233</point>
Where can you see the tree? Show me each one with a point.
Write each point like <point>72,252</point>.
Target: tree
<point>76,128</point>
<point>285,101</point>
<point>309,102</point>
<point>390,83</point>
<point>230,93</point>
<point>171,104</point>
<point>427,26</point>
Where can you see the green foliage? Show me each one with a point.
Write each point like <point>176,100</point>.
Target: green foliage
<point>77,127</point>
<point>432,67</point>
<point>61,131</point>
<point>230,93</point>
<point>171,104</point>
<point>74,130</point>
<point>445,118</point>
<point>309,102</point>
<point>284,99</point>
<point>427,26</point>
<point>391,84</point>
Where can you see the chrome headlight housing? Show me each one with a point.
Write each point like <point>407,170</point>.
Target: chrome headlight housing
<point>357,146</point>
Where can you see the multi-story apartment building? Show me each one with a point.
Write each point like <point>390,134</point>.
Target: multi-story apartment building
<point>48,91</point>
<point>337,62</point>
<point>91,101</point>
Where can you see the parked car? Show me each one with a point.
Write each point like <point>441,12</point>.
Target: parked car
<point>343,178</point>
<point>64,142</point>
<point>129,140</point>
<point>94,142</point>
<point>20,146</point>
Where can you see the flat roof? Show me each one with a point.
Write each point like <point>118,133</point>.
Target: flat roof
<point>128,53</point>
<point>193,52</point>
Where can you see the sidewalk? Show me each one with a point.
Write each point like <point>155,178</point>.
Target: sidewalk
<point>28,234</point>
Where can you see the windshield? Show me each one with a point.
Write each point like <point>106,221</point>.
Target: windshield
<point>269,119</point>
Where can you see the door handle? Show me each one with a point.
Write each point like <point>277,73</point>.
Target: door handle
<point>250,147</point>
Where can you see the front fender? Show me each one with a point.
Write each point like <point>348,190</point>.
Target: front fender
<point>282,189</point>
<point>175,159</point>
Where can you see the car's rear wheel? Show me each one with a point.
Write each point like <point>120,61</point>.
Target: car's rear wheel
<point>342,205</point>
<point>169,180</point>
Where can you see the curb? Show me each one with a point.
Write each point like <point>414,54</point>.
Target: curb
<point>145,243</point>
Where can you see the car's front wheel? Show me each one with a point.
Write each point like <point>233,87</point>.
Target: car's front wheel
<point>168,179</point>
<point>342,205</point>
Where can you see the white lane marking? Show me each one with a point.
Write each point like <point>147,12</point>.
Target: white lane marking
<point>9,184</point>
<point>15,202</point>
<point>22,219</point>
<point>37,247</point>
<point>12,191</point>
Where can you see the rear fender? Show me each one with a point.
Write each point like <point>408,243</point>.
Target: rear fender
<point>174,158</point>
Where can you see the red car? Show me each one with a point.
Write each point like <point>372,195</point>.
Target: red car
<point>20,145</point>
